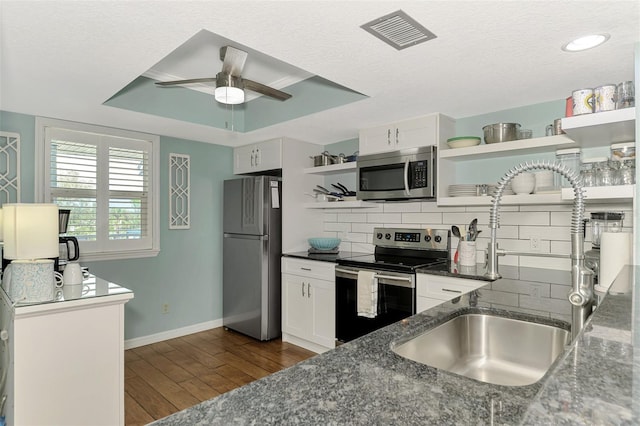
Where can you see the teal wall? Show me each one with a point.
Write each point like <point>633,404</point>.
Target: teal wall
<point>187,274</point>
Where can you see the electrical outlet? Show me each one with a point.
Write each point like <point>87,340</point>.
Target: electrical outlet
<point>534,242</point>
<point>165,308</point>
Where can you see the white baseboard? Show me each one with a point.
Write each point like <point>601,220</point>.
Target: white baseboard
<point>171,334</point>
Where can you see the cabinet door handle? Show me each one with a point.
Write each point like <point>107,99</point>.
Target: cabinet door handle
<point>397,136</point>
<point>258,158</point>
<point>302,289</point>
<point>308,289</point>
<point>451,291</point>
<point>388,136</point>
<point>252,160</point>
<point>305,269</point>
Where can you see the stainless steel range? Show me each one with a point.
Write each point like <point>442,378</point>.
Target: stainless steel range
<point>399,252</point>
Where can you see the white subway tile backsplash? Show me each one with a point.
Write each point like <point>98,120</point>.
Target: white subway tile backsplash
<point>330,217</point>
<point>546,263</point>
<point>546,304</point>
<point>358,237</point>
<point>561,218</point>
<point>389,218</point>
<point>352,217</point>
<point>364,227</point>
<point>520,218</point>
<point>426,218</point>
<point>557,233</point>
<point>529,288</point>
<point>432,207</point>
<point>463,219</point>
<point>560,291</point>
<point>546,207</point>
<point>362,248</point>
<point>501,297</point>
<point>411,207</point>
<point>337,227</point>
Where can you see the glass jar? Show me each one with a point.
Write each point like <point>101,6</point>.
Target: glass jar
<point>626,172</point>
<point>605,175</point>
<point>570,158</point>
<point>588,173</point>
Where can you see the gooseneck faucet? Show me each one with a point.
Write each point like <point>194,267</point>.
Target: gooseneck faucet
<point>581,294</point>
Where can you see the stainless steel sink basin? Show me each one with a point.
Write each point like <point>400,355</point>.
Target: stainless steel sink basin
<point>488,348</point>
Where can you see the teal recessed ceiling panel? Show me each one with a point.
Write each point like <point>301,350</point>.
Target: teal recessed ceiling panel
<point>309,96</point>
<point>179,103</point>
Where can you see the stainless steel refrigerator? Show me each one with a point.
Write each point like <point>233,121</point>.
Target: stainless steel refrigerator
<point>252,246</point>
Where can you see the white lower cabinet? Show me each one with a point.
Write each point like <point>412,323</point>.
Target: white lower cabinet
<point>66,360</point>
<point>433,290</point>
<point>308,303</point>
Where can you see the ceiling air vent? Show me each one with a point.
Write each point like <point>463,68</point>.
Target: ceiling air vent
<point>399,30</point>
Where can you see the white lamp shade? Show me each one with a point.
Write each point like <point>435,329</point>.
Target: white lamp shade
<point>229,95</point>
<point>30,231</point>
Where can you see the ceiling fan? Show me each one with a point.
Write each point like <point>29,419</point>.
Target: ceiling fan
<point>229,83</point>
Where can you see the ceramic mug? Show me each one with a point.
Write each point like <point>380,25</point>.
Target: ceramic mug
<point>72,274</point>
<point>74,291</point>
<point>31,281</point>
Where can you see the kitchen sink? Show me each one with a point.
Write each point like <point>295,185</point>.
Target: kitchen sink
<point>489,348</point>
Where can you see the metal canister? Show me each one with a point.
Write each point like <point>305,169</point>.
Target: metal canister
<point>582,101</point>
<point>605,97</point>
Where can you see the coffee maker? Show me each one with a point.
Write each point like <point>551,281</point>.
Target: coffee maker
<point>600,222</point>
<point>69,247</point>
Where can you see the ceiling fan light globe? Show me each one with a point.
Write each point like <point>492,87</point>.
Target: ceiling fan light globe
<point>229,95</point>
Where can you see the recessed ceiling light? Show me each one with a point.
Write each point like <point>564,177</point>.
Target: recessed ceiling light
<point>586,42</point>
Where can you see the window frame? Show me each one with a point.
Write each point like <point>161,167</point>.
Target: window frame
<point>42,190</point>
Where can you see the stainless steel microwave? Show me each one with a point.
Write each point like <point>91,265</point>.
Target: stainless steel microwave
<point>399,175</point>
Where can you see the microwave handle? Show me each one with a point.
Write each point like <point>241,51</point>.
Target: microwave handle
<point>406,176</point>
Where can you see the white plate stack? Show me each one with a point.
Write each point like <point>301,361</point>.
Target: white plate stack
<point>463,190</point>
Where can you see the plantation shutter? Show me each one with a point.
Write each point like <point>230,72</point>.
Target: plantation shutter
<point>104,181</point>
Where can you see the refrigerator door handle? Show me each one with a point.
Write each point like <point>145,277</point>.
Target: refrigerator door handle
<point>247,237</point>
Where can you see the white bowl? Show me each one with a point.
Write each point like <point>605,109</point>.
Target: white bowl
<point>523,186</point>
<point>463,141</point>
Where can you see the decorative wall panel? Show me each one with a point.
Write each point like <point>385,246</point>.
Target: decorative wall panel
<point>9,167</point>
<point>179,191</point>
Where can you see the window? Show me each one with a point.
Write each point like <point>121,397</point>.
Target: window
<point>108,179</point>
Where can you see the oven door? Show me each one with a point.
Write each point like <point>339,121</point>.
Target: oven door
<point>396,301</point>
<point>397,175</point>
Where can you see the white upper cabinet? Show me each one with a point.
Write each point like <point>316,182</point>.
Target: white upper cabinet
<point>258,157</point>
<point>412,133</point>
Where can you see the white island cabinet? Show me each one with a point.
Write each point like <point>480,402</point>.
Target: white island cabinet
<point>308,303</point>
<point>434,290</point>
<point>66,358</point>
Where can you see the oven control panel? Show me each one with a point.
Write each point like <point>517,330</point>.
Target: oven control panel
<point>419,238</point>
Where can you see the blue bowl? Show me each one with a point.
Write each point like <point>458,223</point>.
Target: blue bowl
<point>324,243</point>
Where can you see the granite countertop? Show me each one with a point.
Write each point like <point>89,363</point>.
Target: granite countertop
<point>326,257</point>
<point>364,382</point>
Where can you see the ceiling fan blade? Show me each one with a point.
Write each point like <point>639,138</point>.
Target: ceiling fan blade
<point>193,80</point>
<point>265,90</point>
<point>232,60</point>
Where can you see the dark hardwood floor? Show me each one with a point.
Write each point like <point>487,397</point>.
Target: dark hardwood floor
<point>169,376</point>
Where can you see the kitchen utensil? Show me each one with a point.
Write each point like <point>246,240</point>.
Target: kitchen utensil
<point>324,243</point>
<point>346,190</point>
<point>500,132</point>
<point>322,188</point>
<point>353,157</point>
<point>339,188</point>
<point>463,141</point>
<point>323,159</point>
<point>455,231</point>
<point>473,228</point>
<point>330,196</point>
<point>525,134</point>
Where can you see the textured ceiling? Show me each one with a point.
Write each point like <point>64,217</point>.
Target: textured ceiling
<point>65,59</point>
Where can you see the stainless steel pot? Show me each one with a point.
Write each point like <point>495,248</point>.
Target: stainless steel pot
<point>500,132</point>
<point>324,159</point>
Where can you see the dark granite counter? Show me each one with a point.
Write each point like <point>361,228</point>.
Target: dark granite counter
<point>364,382</point>
<point>325,257</point>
